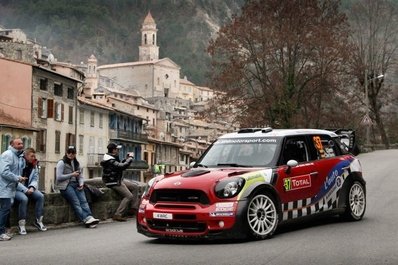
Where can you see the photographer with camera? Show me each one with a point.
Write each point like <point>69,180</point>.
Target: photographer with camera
<point>112,176</point>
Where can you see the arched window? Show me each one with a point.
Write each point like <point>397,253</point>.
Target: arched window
<point>26,141</point>
<point>5,142</point>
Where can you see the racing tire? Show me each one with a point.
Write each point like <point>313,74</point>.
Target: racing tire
<point>356,202</point>
<point>261,216</point>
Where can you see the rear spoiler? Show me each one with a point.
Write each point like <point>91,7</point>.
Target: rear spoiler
<point>347,137</point>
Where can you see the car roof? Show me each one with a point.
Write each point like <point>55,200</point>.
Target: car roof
<point>269,132</point>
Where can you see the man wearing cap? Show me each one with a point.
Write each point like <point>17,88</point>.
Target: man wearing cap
<point>70,183</point>
<point>112,176</point>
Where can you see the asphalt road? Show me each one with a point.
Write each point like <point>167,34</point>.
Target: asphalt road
<point>374,240</point>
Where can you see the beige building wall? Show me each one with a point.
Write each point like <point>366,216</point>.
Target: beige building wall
<point>149,79</point>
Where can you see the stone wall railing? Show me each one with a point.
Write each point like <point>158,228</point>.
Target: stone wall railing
<point>57,210</point>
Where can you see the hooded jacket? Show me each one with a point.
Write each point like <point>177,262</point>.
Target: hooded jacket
<point>112,172</point>
<point>11,166</point>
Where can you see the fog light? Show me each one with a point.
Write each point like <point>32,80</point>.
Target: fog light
<point>221,224</point>
<point>144,220</point>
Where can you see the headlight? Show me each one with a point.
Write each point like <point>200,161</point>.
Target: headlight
<point>148,186</point>
<point>229,188</point>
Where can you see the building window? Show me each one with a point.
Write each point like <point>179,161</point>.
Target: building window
<point>70,120</point>
<point>81,144</point>
<point>92,118</point>
<point>41,141</point>
<point>91,145</point>
<point>19,54</point>
<point>5,142</point>
<point>81,116</point>
<point>43,83</point>
<point>71,93</point>
<point>101,120</point>
<point>58,89</point>
<point>59,111</point>
<point>145,39</point>
<point>45,108</point>
<point>69,140</point>
<point>57,142</point>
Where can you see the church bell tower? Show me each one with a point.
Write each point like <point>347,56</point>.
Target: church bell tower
<point>148,50</point>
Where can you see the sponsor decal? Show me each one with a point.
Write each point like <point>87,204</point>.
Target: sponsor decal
<point>177,183</point>
<point>295,183</point>
<point>246,141</point>
<point>333,180</point>
<point>224,204</point>
<point>218,214</point>
<point>319,146</point>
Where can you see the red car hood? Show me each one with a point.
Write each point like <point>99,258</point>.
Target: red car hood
<point>200,179</point>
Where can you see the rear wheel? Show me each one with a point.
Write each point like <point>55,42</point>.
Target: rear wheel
<point>262,216</point>
<point>356,202</point>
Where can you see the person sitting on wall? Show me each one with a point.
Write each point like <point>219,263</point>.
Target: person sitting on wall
<point>112,176</point>
<point>29,190</point>
<point>70,182</point>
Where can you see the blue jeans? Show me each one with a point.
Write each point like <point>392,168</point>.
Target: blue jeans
<point>5,206</point>
<point>23,200</point>
<point>77,200</point>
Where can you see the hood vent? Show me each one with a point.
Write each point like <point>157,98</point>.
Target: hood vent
<point>195,173</point>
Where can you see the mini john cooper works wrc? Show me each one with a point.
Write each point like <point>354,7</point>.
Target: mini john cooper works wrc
<point>248,182</point>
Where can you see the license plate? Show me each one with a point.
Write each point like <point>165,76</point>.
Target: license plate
<point>166,216</point>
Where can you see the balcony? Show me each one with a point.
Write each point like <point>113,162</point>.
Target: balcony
<point>94,159</point>
<point>129,136</point>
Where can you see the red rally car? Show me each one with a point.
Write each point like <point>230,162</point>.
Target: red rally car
<point>248,182</point>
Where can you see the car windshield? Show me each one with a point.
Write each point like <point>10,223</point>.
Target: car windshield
<point>244,152</point>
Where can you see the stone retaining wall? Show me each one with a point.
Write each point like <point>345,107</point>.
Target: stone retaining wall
<point>57,211</point>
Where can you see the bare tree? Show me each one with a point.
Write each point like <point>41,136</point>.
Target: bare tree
<point>374,35</point>
<point>280,62</point>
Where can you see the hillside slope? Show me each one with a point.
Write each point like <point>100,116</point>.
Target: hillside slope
<point>75,29</point>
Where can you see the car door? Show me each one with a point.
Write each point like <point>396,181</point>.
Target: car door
<point>296,185</point>
<point>332,168</point>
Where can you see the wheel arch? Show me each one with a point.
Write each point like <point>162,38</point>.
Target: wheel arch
<point>343,193</point>
<point>261,188</point>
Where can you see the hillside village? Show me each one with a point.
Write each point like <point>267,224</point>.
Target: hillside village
<point>145,106</point>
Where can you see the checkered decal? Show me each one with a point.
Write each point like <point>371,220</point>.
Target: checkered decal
<point>295,209</point>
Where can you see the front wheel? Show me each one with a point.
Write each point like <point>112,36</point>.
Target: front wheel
<point>262,216</point>
<point>356,202</point>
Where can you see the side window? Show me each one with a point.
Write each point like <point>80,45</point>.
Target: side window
<point>325,146</point>
<point>295,149</point>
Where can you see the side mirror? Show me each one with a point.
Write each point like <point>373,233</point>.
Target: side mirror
<point>191,164</point>
<point>290,164</point>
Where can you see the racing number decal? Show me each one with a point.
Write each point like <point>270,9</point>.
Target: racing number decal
<point>319,146</point>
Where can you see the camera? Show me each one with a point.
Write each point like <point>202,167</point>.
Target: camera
<point>130,154</point>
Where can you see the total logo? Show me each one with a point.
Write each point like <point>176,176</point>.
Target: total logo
<point>299,182</point>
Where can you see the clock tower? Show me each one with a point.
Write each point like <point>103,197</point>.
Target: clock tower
<point>148,50</point>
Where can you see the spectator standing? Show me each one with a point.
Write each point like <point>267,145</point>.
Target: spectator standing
<point>11,165</point>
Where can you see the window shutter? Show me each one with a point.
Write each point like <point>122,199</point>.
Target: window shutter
<point>62,112</point>
<point>40,107</point>
<point>50,108</point>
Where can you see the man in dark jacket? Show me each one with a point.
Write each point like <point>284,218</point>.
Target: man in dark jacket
<point>112,176</point>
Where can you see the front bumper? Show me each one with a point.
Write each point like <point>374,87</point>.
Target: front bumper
<point>182,220</point>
